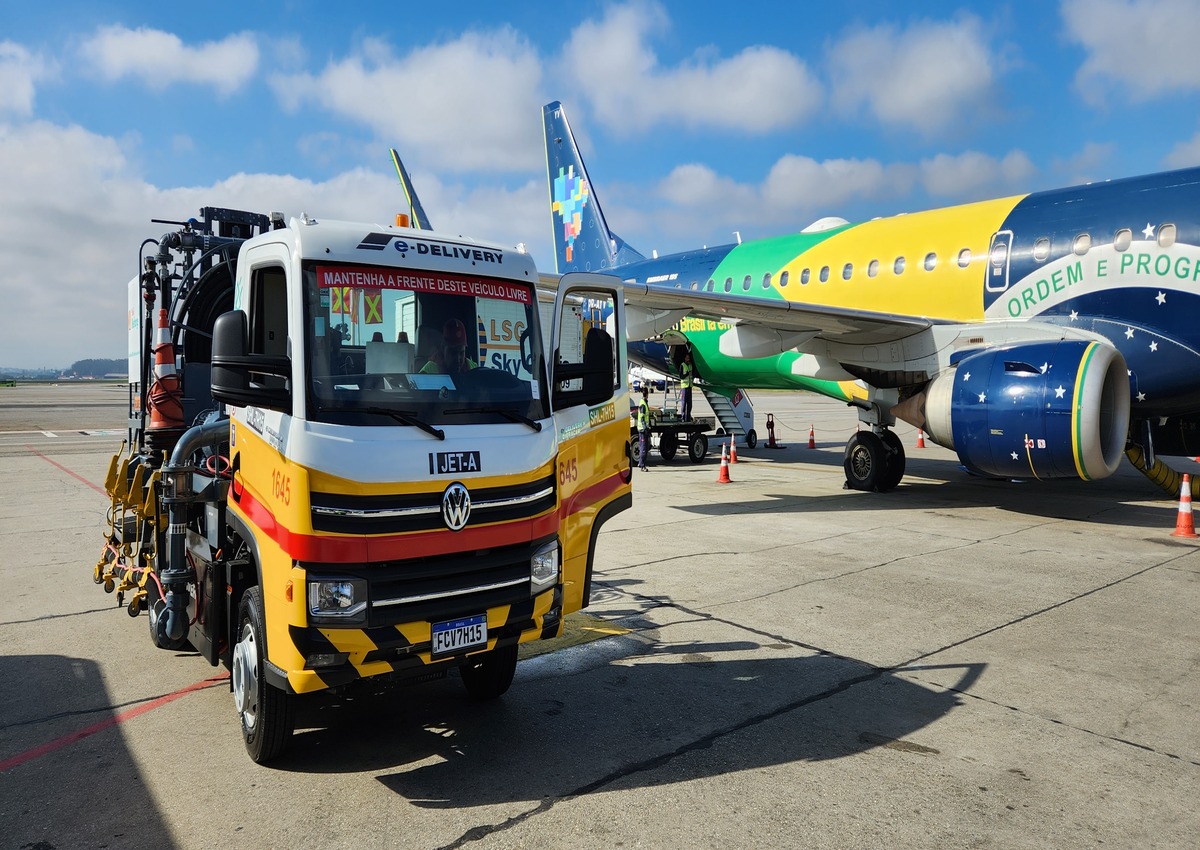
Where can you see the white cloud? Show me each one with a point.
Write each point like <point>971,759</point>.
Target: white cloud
<point>611,64</point>
<point>20,70</point>
<point>1185,154</point>
<point>927,77</point>
<point>973,176</point>
<point>1141,48</point>
<point>468,104</point>
<point>75,212</point>
<point>160,59</point>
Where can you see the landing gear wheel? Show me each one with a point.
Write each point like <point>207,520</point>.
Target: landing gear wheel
<point>865,461</point>
<point>155,605</point>
<point>668,444</point>
<point>265,711</point>
<point>488,675</point>
<point>751,439</point>
<point>894,466</point>
<point>697,447</point>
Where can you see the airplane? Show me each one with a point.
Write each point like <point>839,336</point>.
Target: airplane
<point>1037,336</point>
<point>416,213</point>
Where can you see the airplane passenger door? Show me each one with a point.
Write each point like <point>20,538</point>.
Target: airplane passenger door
<point>999,255</point>
<point>590,399</point>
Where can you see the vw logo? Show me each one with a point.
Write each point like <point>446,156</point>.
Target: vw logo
<point>456,506</point>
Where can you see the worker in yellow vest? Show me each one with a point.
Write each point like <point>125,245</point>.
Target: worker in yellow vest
<point>685,388</point>
<point>643,427</point>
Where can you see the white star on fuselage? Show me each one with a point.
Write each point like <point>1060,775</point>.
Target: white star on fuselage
<point>1045,368</point>
<point>982,397</point>
<point>1129,333</point>
<point>1014,455</point>
<point>1074,315</point>
<point>967,376</point>
<point>1149,231</point>
<point>1141,396</point>
<point>1154,346</point>
<point>1059,391</point>
<point>1161,298</point>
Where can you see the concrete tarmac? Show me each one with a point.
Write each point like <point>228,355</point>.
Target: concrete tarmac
<point>775,662</point>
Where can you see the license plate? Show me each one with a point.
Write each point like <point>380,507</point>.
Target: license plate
<point>454,636</point>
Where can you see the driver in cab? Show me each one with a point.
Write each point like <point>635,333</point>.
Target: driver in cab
<point>453,358</point>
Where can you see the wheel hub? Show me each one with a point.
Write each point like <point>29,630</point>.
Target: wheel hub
<point>245,677</point>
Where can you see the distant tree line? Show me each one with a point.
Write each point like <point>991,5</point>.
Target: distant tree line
<point>96,368</point>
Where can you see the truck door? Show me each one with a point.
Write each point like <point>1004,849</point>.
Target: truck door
<point>590,399</point>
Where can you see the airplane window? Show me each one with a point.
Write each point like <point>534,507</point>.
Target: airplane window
<point>898,267</point>
<point>999,253</point>
<point>746,283</point>
<point>930,261</point>
<point>824,273</point>
<point>695,285</point>
<point>1123,239</point>
<point>710,285</point>
<point>847,271</point>
<point>873,268</point>
<point>804,277</point>
<point>1166,236</point>
<point>1041,248</point>
<point>729,284</point>
<point>680,285</point>
<point>964,258</point>
<point>1083,243</point>
<point>767,281</point>
<point>783,279</point>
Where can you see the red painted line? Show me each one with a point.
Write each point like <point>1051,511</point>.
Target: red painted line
<point>74,475</point>
<point>79,735</point>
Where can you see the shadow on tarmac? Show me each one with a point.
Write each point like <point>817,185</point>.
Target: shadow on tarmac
<point>87,792</point>
<point>621,712</point>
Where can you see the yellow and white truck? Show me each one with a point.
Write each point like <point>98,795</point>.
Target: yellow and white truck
<point>356,456</point>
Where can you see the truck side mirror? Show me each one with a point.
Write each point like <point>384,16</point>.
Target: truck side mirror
<point>242,379</point>
<point>597,373</point>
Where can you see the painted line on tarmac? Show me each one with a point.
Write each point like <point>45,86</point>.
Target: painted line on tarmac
<point>74,475</point>
<point>87,732</point>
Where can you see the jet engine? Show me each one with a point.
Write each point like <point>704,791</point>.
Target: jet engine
<point>1056,409</point>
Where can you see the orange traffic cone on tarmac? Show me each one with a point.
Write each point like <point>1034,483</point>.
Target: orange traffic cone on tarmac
<point>771,444</point>
<point>724,478</point>
<point>732,449</point>
<point>920,439</point>
<point>1184,527</point>
<point>812,438</point>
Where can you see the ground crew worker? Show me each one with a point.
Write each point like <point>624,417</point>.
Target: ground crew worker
<point>685,388</point>
<point>643,427</point>
<point>453,358</point>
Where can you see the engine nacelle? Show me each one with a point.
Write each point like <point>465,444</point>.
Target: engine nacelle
<point>1043,410</point>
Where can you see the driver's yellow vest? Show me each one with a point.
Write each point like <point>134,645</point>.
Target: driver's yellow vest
<point>643,415</point>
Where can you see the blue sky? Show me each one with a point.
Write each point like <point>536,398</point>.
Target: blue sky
<point>697,119</point>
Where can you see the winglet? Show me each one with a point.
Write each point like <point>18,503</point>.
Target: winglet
<point>416,212</point>
<point>574,207</point>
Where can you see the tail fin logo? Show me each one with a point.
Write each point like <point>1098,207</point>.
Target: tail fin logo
<point>570,197</point>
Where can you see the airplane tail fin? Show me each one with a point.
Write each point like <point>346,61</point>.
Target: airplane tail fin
<point>582,240</point>
<point>417,217</point>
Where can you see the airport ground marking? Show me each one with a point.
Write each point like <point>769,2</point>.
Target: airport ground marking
<point>78,735</point>
<point>74,475</point>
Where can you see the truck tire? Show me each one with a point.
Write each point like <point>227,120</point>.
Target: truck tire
<point>488,674</point>
<point>668,444</point>
<point>697,447</point>
<point>265,711</point>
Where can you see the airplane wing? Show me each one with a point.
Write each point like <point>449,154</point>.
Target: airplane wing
<point>835,324</point>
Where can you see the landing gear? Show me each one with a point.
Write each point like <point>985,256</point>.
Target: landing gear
<point>873,461</point>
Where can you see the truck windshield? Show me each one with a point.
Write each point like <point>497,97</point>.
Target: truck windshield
<point>439,348</point>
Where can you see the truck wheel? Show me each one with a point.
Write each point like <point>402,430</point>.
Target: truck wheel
<point>265,711</point>
<point>668,444</point>
<point>488,675</point>
<point>635,452</point>
<point>697,447</point>
<point>751,439</point>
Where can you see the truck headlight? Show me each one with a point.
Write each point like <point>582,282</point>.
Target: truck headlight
<point>337,600</point>
<point>543,567</point>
